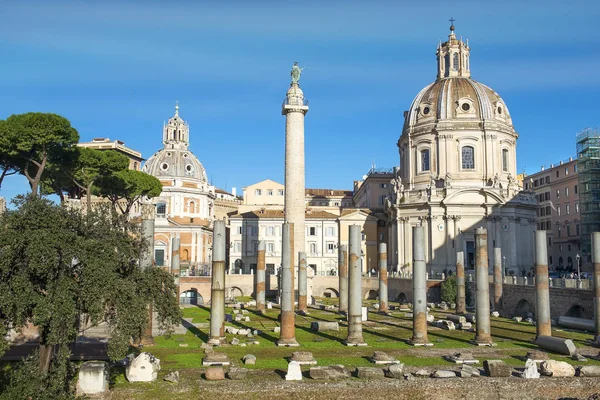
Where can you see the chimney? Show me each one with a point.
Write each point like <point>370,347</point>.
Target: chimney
<point>234,191</point>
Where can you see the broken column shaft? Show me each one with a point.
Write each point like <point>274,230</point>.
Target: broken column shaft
<point>343,278</point>
<point>217,288</point>
<point>419,337</point>
<point>302,282</point>
<point>260,277</point>
<point>542,289</point>
<point>461,300</point>
<point>483,336</point>
<point>383,279</point>
<point>596,266</point>
<point>175,262</point>
<point>497,278</point>
<point>355,337</point>
<point>287,336</point>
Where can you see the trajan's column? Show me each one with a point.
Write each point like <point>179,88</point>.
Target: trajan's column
<point>294,108</point>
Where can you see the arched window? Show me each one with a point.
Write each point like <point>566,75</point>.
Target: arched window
<point>192,207</point>
<point>455,62</point>
<point>161,209</point>
<point>425,160</point>
<point>560,262</point>
<point>468,157</point>
<point>505,160</point>
<point>570,262</point>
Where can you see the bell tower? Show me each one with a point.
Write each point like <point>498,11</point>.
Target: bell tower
<point>453,57</point>
<point>176,132</point>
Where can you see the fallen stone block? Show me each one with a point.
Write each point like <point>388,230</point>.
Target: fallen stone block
<point>430,318</point>
<point>325,326</point>
<point>466,326</point>
<point>394,371</point>
<point>445,324</point>
<point>495,314</point>
<point>557,345</point>
<point>557,368</point>
<point>531,370</point>
<point>237,374</point>
<point>303,358</point>
<point>443,374</point>
<point>341,370</point>
<point>235,341</point>
<point>470,318</point>
<point>578,357</point>
<point>457,319</point>
<point>143,368</point>
<point>497,368</point>
<point>325,373</point>
<point>249,359</point>
<point>589,371</point>
<point>517,319</point>
<point>172,377</point>
<point>214,373</point>
<point>93,377</point>
<point>467,371</point>
<point>422,373</point>
<point>243,332</point>
<point>462,358</point>
<point>215,358</point>
<point>380,357</point>
<point>577,323</point>
<point>369,373</point>
<point>294,373</point>
<point>277,329</point>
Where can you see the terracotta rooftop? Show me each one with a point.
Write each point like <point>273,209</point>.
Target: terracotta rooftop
<point>328,192</point>
<point>310,214</point>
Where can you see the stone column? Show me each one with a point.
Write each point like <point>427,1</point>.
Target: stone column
<point>383,279</point>
<point>260,277</point>
<point>483,335</point>
<point>217,287</point>
<point>461,298</point>
<point>419,277</point>
<point>287,337</point>
<point>542,289</point>
<point>497,278</point>
<point>302,281</point>
<point>343,278</point>
<point>355,337</point>
<point>596,266</point>
<point>175,262</point>
<point>147,233</point>
<point>295,108</point>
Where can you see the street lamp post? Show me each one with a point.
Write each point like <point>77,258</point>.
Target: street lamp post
<point>578,258</point>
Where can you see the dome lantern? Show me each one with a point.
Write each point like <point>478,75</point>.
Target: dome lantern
<point>453,57</point>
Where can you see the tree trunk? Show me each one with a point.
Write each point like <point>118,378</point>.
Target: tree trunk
<point>45,357</point>
<point>38,177</point>
<point>88,196</point>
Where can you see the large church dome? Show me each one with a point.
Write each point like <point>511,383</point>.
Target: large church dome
<point>175,160</point>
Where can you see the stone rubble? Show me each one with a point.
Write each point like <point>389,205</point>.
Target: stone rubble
<point>531,370</point>
<point>557,368</point>
<point>497,368</point>
<point>143,368</point>
<point>214,373</point>
<point>369,373</point>
<point>294,373</point>
<point>249,359</point>
<point>172,377</point>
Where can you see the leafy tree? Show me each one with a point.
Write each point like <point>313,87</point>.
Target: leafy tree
<point>8,162</point>
<point>449,289</point>
<point>91,164</point>
<point>33,140</point>
<point>124,188</point>
<point>59,268</point>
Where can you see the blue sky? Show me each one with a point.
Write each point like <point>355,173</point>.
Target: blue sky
<point>115,69</point>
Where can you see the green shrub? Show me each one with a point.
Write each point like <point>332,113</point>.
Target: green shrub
<point>449,289</point>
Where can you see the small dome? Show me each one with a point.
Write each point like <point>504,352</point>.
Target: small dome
<point>175,163</point>
<point>457,100</point>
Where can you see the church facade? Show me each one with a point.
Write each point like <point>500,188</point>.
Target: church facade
<point>185,208</point>
<point>458,173</point>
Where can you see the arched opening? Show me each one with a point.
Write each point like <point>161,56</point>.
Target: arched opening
<point>236,291</point>
<point>401,298</point>
<point>192,207</point>
<point>576,311</point>
<point>331,293</point>
<point>523,308</point>
<point>560,262</point>
<point>239,266</point>
<point>185,255</point>
<point>191,297</point>
<point>570,263</point>
<point>372,295</point>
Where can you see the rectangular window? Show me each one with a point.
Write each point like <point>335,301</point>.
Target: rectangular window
<point>577,207</point>
<point>330,247</point>
<point>560,235</point>
<point>567,192</point>
<point>380,237</point>
<point>548,225</point>
<point>254,230</point>
<point>237,246</point>
<point>577,229</point>
<point>505,160</point>
<point>269,192</point>
<point>549,241</point>
<point>271,269</point>
<point>280,192</point>
<point>526,186</point>
<point>424,160</point>
<point>568,209</point>
<point>312,231</point>
<point>558,211</point>
<point>558,194</point>
<point>548,210</point>
<point>535,183</point>
<point>468,157</point>
<point>384,185</point>
<point>270,247</point>
<point>313,248</point>
<point>239,230</point>
<point>575,189</point>
<point>569,234</point>
<point>557,173</point>
<point>270,230</point>
<point>329,231</point>
<point>382,200</point>
<point>159,257</point>
<point>258,192</point>
<point>567,171</point>
<point>547,179</point>
<point>547,196</point>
